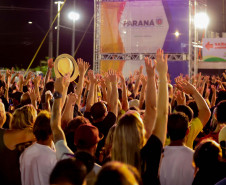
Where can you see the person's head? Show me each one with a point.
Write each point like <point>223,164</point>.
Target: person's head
<point>25,99</point>
<point>87,137</point>
<point>42,129</point>
<point>2,114</point>
<point>71,128</point>
<point>75,123</point>
<point>128,139</point>
<point>98,111</point>
<point>68,172</point>
<point>222,141</point>
<point>24,117</point>
<point>2,87</point>
<point>186,110</point>
<point>16,97</point>
<point>221,95</point>
<point>220,112</point>
<point>192,104</point>
<point>116,173</point>
<point>207,154</point>
<point>177,126</point>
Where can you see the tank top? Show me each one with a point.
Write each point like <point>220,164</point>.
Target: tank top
<point>9,164</point>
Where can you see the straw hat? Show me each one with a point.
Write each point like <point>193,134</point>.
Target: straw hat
<point>66,64</point>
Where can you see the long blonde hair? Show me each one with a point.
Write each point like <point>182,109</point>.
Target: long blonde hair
<point>24,117</point>
<point>128,139</point>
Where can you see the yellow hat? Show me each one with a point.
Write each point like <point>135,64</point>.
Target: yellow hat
<point>65,64</point>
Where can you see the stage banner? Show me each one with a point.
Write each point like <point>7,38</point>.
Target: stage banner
<point>133,27</point>
<point>142,27</point>
<point>214,49</point>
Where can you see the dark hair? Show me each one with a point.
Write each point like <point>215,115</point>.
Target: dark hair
<point>98,110</point>
<point>49,86</point>
<point>221,95</point>
<point>194,107</point>
<point>177,126</point>
<point>186,110</point>
<point>220,112</point>
<point>42,129</point>
<point>68,170</point>
<point>207,154</point>
<point>70,130</point>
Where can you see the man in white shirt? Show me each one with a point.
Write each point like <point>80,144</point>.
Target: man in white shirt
<point>176,165</point>
<point>38,160</point>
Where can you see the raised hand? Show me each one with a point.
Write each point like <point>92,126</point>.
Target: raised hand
<point>37,80</point>
<point>186,87</point>
<point>112,76</point>
<point>161,62</point>
<point>180,97</point>
<point>91,76</point>
<point>33,95</point>
<point>8,74</point>
<point>62,83</point>
<point>48,95</point>
<point>50,63</point>
<point>72,98</point>
<point>150,69</point>
<point>82,66</point>
<point>143,80</point>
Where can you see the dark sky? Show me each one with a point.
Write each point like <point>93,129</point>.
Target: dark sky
<point>19,40</point>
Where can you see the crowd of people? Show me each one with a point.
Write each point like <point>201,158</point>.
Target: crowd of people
<point>104,129</point>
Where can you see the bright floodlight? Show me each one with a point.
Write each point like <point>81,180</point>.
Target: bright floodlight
<point>29,22</point>
<point>177,33</point>
<point>201,20</point>
<point>73,16</point>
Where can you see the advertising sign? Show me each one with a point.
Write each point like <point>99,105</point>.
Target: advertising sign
<point>214,50</point>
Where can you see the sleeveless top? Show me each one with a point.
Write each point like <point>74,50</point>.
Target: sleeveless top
<point>9,164</point>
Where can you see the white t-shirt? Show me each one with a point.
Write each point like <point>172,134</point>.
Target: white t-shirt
<point>36,164</point>
<point>176,166</point>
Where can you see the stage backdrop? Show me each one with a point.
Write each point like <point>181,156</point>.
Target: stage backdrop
<point>143,27</point>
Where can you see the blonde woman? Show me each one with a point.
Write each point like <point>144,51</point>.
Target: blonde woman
<point>139,143</point>
<point>24,117</point>
<point>23,120</point>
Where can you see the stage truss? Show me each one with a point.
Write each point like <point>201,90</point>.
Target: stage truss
<point>192,56</point>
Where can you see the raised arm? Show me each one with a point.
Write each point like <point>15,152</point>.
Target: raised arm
<point>143,91</point>
<point>36,84</point>
<point>137,83</point>
<point>68,112</point>
<point>150,108</point>
<point>204,111</point>
<point>49,71</point>
<point>113,106</point>
<point>83,67</point>
<point>162,105</point>
<point>55,122</point>
<point>125,103</point>
<point>90,97</point>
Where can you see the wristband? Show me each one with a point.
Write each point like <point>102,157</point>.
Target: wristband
<point>57,95</point>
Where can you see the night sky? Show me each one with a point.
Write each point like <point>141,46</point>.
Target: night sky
<point>19,40</point>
